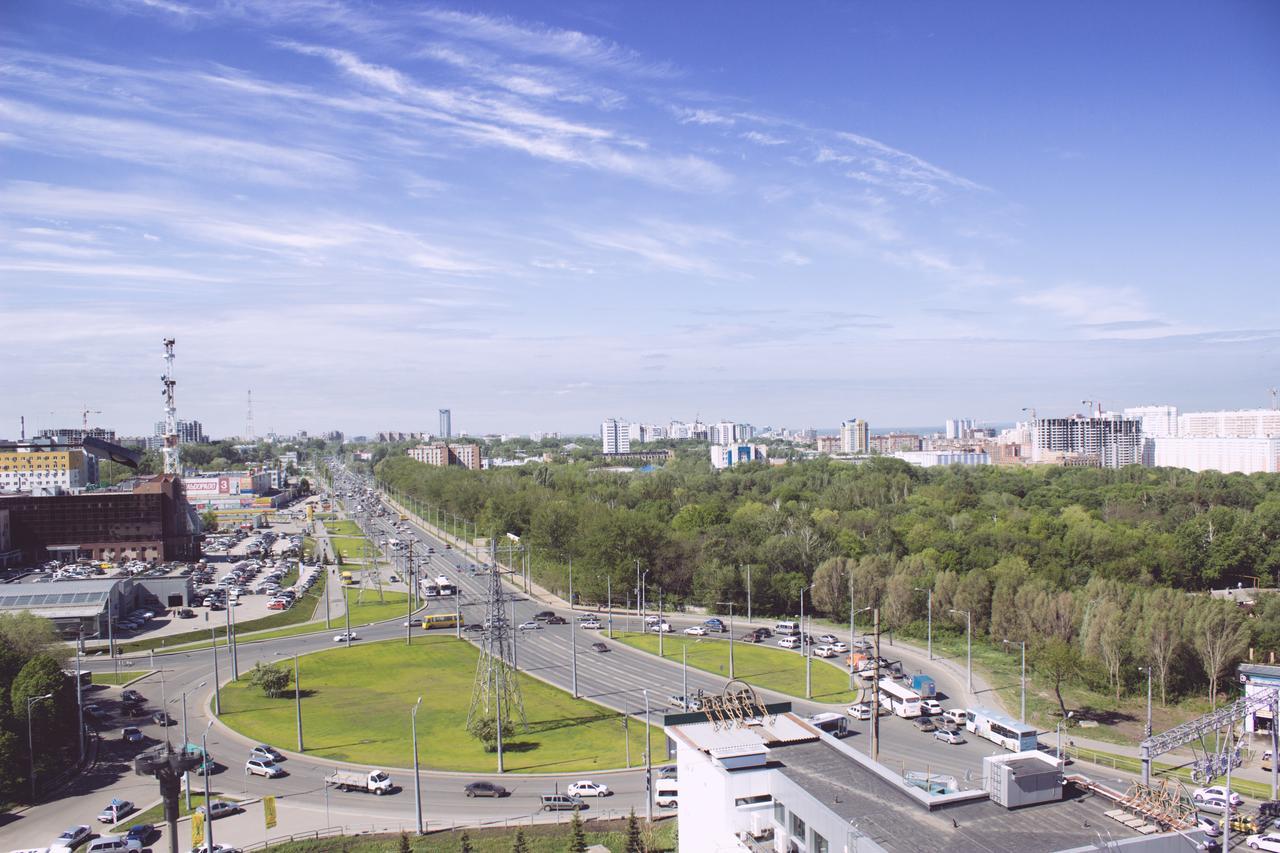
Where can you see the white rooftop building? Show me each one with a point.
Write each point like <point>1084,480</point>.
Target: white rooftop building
<point>615,435</point>
<point>1238,423</point>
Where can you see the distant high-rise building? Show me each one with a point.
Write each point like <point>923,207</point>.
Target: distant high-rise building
<point>442,455</point>
<point>828,444</point>
<point>189,432</point>
<point>1240,423</point>
<point>721,433</point>
<point>855,436</point>
<point>1245,455</point>
<point>446,424</point>
<point>615,436</point>
<point>959,428</point>
<point>76,435</point>
<point>1113,440</point>
<point>743,432</point>
<point>726,456</point>
<point>1157,421</point>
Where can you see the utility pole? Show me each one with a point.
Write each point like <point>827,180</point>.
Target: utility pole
<point>875,691</point>
<point>930,635</point>
<point>662,626</point>
<point>968,631</point>
<point>608,585</point>
<point>648,762</point>
<point>573,653</point>
<point>417,777</point>
<point>297,699</point>
<point>731,632</point>
<point>748,593</point>
<point>804,648</point>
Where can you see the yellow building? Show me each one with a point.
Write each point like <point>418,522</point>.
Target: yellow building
<point>27,467</point>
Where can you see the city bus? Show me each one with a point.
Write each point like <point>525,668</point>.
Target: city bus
<point>899,699</point>
<point>347,578</point>
<point>439,620</point>
<point>1002,729</point>
<point>427,588</point>
<point>445,586</point>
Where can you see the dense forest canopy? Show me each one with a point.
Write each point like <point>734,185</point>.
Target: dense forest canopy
<point>1034,553</point>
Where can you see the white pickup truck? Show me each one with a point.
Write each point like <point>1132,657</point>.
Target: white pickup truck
<point>375,781</point>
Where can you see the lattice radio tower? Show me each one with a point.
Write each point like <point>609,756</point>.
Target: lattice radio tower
<point>497,688</point>
<point>171,453</point>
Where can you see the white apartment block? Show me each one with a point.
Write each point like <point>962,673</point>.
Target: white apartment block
<point>957,428</point>
<point>1157,421</point>
<point>728,455</point>
<point>679,430</point>
<point>932,458</point>
<point>1240,423</point>
<point>1115,441</point>
<point>855,436</point>
<point>722,432</point>
<point>615,435</point>
<point>1239,455</point>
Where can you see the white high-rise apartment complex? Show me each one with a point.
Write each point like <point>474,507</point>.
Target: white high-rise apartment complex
<point>959,428</point>
<point>1241,423</point>
<point>1115,441</point>
<point>855,436</point>
<point>1157,421</point>
<point>615,435</point>
<point>1251,455</point>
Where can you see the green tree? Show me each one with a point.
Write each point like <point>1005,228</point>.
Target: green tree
<point>577,839</point>
<point>405,846</point>
<point>485,730</point>
<point>464,843</point>
<point>1220,637</point>
<point>209,520</point>
<point>634,844</point>
<point>272,681</point>
<point>1060,663</point>
<point>518,844</point>
<point>28,635</point>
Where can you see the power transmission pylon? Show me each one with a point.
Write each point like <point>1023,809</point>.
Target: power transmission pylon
<point>497,688</point>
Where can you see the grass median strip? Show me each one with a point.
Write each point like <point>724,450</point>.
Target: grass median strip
<point>356,704</point>
<point>771,668</point>
<point>118,678</point>
<point>155,814</point>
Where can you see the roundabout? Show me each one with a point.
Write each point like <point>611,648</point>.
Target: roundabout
<point>356,703</point>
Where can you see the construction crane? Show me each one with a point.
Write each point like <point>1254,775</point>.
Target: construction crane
<point>1095,403</point>
<point>1273,398</point>
<point>85,415</point>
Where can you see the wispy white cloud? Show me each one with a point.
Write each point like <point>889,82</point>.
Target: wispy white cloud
<point>685,115</point>
<point>763,138</point>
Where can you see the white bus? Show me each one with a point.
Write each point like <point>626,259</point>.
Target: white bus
<point>1001,729</point>
<point>901,700</point>
<point>427,588</point>
<point>445,586</point>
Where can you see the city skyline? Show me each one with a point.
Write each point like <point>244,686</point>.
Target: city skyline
<point>540,215</point>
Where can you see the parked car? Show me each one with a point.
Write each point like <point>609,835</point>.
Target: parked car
<point>600,647</point>
<point>696,631</point>
<point>485,789</point>
<point>588,789</point>
<point>263,767</point>
<point>131,734</point>
<point>346,636</point>
<point>217,848</point>
<point>951,736</point>
<point>108,844</point>
<point>70,839</point>
<point>142,833</point>
<point>115,810</point>
<point>218,808</point>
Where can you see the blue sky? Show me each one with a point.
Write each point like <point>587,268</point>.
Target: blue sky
<point>544,214</point>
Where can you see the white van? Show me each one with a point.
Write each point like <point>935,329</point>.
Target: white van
<point>789,642</point>
<point>787,629</point>
<point>108,844</point>
<point>665,794</point>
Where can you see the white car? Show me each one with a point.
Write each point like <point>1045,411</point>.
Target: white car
<point>263,767</point>
<point>1211,803</point>
<point>1216,791</point>
<point>959,716</point>
<point>696,631</point>
<point>860,711</point>
<point>1264,841</point>
<point>824,651</point>
<point>345,636</point>
<point>652,620</point>
<point>662,628</point>
<point>931,707</point>
<point>789,642</point>
<point>588,789</point>
<point>840,648</point>
<point>828,639</point>
<point>70,839</point>
<point>951,736</point>
<point>593,624</point>
<point>530,626</point>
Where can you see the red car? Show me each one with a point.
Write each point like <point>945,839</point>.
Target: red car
<point>276,605</point>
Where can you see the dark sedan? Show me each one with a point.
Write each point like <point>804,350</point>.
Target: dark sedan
<point>485,789</point>
<point>600,647</point>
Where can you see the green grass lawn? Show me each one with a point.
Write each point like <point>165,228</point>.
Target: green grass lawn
<point>342,528</point>
<point>543,838</point>
<point>771,668</point>
<point>121,678</point>
<point>356,704</point>
<point>372,610</point>
<point>350,547</point>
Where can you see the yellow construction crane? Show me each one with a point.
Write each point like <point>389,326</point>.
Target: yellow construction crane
<point>85,415</point>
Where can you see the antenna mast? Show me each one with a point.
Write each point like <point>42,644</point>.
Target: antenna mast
<point>172,456</point>
<point>248,429</point>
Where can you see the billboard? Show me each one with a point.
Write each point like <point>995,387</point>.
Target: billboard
<point>202,485</point>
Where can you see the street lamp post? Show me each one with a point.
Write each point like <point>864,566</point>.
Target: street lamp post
<point>608,586</point>
<point>186,776</point>
<point>930,629</point>
<point>968,631</point>
<point>853,613</point>
<point>1023,679</point>
<point>573,654</point>
<point>417,777</point>
<point>804,648</point>
<point>31,747</point>
<point>1062,723</point>
<point>648,762</point>
<point>1148,728</point>
<point>731,632</point>
<point>204,757</point>
<point>297,699</point>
